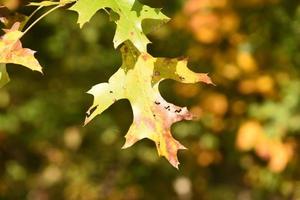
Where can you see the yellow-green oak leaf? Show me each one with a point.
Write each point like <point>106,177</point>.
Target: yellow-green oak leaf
<point>131,14</point>
<point>137,80</point>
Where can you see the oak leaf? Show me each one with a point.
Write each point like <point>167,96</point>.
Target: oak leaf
<point>137,80</point>
<point>11,50</point>
<point>131,14</point>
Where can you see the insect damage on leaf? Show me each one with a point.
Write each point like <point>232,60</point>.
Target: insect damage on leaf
<point>129,23</point>
<point>11,50</point>
<point>137,80</point>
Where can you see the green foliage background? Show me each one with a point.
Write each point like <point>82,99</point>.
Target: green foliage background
<point>45,153</point>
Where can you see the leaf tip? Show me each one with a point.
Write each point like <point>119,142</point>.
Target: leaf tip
<point>39,69</point>
<point>176,166</point>
<point>81,24</point>
<point>126,145</point>
<point>203,77</point>
<point>129,142</point>
<point>86,121</point>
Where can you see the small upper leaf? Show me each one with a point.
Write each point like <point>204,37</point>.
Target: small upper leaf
<point>137,80</point>
<point>129,23</point>
<point>11,50</point>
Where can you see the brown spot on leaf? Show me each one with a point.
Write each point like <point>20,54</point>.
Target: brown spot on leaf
<point>145,57</point>
<point>156,73</point>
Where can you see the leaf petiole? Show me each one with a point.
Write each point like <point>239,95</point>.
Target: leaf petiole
<point>41,17</point>
<point>32,14</point>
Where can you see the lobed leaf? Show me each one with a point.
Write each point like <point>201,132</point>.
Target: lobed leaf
<point>11,50</point>
<point>137,80</point>
<point>129,23</point>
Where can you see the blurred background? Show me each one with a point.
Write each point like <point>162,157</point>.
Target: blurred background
<point>244,145</point>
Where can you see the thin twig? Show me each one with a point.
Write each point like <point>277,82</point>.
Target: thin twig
<point>35,11</point>
<point>32,14</point>
<point>41,17</point>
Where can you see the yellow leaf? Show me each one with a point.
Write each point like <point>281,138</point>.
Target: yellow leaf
<point>137,80</point>
<point>11,50</point>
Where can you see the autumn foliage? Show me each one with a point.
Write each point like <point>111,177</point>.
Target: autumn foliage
<point>219,78</point>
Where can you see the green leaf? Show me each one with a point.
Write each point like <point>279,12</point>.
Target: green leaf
<point>129,23</point>
<point>4,78</point>
<point>137,80</point>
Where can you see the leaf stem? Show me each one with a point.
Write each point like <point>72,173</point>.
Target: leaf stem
<point>32,14</point>
<point>41,17</point>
